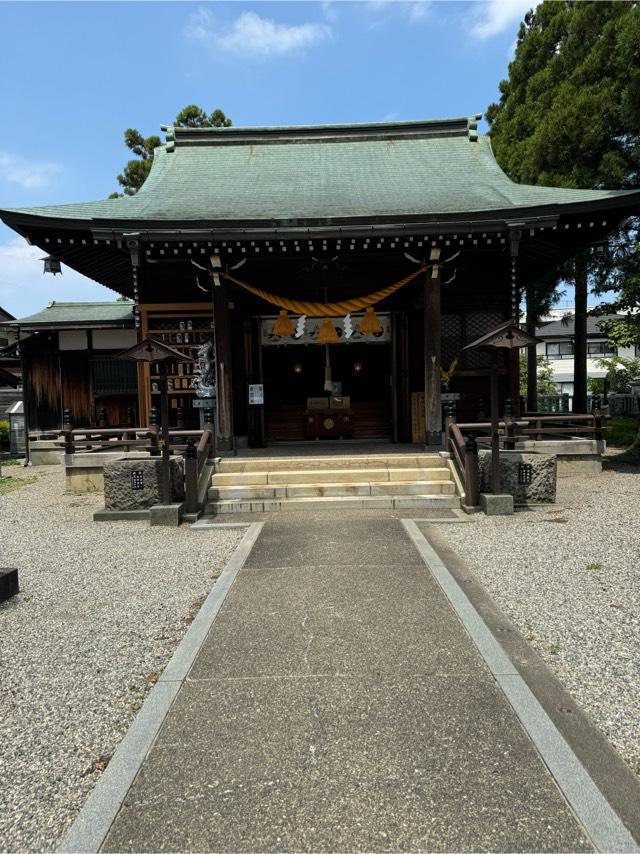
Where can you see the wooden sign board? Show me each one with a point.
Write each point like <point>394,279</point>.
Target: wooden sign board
<point>418,423</point>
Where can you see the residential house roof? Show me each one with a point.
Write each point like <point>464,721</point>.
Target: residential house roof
<point>566,328</point>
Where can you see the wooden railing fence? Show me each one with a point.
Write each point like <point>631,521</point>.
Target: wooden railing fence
<point>196,446</point>
<point>195,459</point>
<point>462,439</point>
<point>464,452</point>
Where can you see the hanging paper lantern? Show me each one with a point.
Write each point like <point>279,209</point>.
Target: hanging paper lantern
<point>327,333</point>
<point>283,326</point>
<point>370,324</point>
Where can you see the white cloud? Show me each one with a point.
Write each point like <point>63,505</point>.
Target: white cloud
<point>329,10</point>
<point>414,11</point>
<point>252,36</point>
<point>419,10</point>
<point>24,289</point>
<point>28,174</point>
<point>492,17</point>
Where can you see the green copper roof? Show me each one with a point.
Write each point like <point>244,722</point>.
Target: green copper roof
<point>117,313</point>
<point>320,173</point>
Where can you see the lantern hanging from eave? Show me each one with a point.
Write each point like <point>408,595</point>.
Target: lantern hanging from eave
<point>51,265</point>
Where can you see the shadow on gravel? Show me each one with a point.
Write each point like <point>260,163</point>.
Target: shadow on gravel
<point>621,460</point>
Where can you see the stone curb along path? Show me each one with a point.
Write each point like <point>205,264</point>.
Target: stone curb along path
<point>92,824</point>
<point>599,820</point>
<point>594,814</point>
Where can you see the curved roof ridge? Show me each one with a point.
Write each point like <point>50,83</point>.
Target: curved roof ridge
<point>416,128</point>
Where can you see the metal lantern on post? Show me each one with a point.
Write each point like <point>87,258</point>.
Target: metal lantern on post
<point>156,353</point>
<point>507,336</point>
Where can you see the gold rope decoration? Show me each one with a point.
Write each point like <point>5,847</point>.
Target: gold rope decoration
<point>329,309</point>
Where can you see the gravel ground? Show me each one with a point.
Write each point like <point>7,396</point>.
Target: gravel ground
<point>102,608</point>
<point>569,578</point>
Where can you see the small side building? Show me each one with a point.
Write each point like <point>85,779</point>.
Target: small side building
<point>68,360</point>
<point>5,318</point>
<point>10,370</point>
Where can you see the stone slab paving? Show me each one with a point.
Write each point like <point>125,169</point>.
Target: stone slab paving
<point>338,705</point>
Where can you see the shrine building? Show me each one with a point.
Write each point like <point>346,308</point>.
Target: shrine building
<point>337,271</point>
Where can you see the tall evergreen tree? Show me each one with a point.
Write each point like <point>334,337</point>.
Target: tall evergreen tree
<point>569,115</point>
<point>136,171</point>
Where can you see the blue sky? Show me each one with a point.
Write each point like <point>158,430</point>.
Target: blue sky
<point>75,75</point>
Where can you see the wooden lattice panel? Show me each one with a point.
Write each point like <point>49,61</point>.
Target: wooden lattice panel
<point>478,323</point>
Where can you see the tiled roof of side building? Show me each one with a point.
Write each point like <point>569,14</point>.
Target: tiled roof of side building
<point>566,328</point>
<point>65,314</point>
<point>325,172</point>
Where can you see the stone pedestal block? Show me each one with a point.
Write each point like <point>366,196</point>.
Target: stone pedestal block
<point>131,484</point>
<point>576,457</point>
<point>496,505</point>
<point>514,469</point>
<point>166,514</point>
<point>45,452</point>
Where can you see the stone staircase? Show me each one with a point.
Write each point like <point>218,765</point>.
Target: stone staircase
<point>399,481</point>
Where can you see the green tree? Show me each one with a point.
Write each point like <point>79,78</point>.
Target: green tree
<point>617,280</point>
<point>595,385</point>
<point>136,171</point>
<point>546,384</point>
<point>193,116</point>
<point>569,114</point>
<point>620,372</point>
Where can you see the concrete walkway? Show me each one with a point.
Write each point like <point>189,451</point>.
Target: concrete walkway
<point>338,704</point>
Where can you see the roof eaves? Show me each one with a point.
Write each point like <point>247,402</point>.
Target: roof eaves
<point>73,324</point>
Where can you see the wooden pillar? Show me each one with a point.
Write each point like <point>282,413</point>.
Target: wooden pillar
<point>253,370</point>
<point>405,380</point>
<point>532,359</point>
<point>394,376</point>
<point>222,338</point>
<point>432,349</point>
<point>580,338</point>
<point>513,361</point>
<point>164,432</point>
<point>495,428</point>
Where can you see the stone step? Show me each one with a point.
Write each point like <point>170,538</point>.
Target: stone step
<point>330,490</point>
<point>361,502</point>
<point>331,462</point>
<point>373,475</point>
